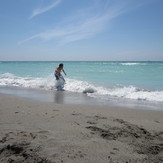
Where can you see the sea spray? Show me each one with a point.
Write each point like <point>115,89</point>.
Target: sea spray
<point>73,85</point>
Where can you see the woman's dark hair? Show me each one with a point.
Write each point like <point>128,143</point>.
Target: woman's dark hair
<point>61,65</point>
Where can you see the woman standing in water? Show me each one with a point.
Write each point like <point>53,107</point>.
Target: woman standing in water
<point>59,77</point>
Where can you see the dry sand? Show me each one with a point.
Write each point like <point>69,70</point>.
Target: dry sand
<point>47,132</point>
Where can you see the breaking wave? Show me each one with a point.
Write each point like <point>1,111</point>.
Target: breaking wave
<point>73,85</point>
<point>130,64</point>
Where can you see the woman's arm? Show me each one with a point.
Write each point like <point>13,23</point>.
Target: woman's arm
<point>64,71</point>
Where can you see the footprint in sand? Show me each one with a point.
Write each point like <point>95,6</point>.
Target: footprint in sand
<point>94,119</point>
<point>142,141</point>
<point>43,134</point>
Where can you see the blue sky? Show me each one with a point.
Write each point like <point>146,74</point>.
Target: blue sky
<point>81,30</point>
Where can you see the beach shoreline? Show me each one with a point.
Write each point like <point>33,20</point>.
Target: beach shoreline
<point>78,98</point>
<point>49,132</point>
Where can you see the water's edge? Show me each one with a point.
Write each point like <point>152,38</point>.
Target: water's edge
<point>66,97</point>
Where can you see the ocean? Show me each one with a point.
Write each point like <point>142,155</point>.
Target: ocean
<point>134,82</point>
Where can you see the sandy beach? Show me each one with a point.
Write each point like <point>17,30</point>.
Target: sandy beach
<point>32,131</point>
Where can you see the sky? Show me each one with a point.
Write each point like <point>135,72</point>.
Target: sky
<point>81,30</point>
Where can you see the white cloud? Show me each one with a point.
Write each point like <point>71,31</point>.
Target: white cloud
<point>86,22</point>
<point>39,11</point>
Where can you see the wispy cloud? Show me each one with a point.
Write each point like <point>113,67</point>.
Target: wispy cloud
<point>39,11</point>
<point>87,22</point>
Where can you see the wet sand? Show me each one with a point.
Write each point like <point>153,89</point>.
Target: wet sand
<point>67,97</point>
<point>32,131</point>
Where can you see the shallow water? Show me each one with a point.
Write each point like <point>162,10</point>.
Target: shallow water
<point>132,82</point>
<point>74,98</point>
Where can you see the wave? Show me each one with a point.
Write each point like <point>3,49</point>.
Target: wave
<point>130,64</point>
<point>73,85</point>
<point>115,63</point>
<point>8,79</point>
<point>129,92</point>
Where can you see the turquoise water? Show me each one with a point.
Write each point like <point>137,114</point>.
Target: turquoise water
<point>128,80</point>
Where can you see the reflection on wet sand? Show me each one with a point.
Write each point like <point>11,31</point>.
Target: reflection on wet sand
<point>59,97</point>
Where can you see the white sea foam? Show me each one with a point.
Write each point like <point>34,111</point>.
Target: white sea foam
<point>130,64</point>
<point>130,93</point>
<point>8,79</point>
<point>73,85</point>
